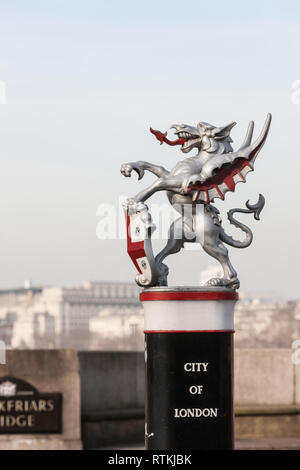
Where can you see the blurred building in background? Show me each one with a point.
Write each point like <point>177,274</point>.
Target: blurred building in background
<point>263,322</point>
<point>97,315</point>
<point>109,316</point>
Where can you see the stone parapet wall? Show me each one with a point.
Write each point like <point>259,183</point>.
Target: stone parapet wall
<point>49,372</point>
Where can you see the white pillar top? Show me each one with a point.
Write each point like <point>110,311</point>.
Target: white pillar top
<point>191,309</point>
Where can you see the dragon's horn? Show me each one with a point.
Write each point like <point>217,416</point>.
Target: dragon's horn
<point>249,135</point>
<point>220,133</point>
<point>256,146</point>
<point>264,132</point>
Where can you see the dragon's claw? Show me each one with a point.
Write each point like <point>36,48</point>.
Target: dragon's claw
<point>223,282</point>
<point>163,271</point>
<point>189,181</point>
<point>126,170</point>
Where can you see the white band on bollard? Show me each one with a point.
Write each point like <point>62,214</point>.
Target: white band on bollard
<point>188,309</point>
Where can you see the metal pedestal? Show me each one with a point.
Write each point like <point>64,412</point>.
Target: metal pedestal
<point>189,368</point>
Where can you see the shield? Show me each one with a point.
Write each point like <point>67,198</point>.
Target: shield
<point>139,228</point>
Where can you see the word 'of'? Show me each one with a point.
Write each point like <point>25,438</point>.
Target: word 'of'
<point>196,389</point>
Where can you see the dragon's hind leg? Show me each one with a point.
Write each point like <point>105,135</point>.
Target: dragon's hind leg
<point>215,248</point>
<point>174,245</point>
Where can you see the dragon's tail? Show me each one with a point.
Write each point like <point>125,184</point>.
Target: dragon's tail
<point>251,209</point>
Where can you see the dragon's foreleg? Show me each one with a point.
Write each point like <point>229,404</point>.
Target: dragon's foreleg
<point>161,184</point>
<point>140,167</point>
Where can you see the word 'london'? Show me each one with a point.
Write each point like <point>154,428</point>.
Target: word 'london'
<point>196,413</point>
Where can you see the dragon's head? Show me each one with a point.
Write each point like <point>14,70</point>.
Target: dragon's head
<point>204,137</point>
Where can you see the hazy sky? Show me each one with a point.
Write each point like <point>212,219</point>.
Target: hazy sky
<point>85,79</point>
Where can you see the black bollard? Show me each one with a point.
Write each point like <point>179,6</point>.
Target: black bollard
<point>189,368</point>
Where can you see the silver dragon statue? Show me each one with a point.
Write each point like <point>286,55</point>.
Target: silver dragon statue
<point>192,185</point>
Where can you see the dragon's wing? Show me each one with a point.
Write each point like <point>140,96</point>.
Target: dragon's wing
<point>230,168</point>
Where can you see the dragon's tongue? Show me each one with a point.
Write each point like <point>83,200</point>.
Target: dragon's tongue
<point>162,137</point>
<point>180,141</point>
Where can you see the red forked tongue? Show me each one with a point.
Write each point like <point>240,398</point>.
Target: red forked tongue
<point>162,138</point>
